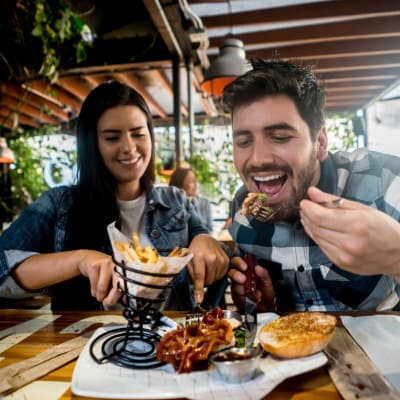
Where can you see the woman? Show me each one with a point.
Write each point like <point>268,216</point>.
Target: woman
<point>60,241</point>
<point>185,178</point>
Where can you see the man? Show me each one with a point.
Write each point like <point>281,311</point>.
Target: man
<point>310,256</point>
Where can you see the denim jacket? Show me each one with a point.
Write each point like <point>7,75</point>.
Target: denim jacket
<point>170,220</point>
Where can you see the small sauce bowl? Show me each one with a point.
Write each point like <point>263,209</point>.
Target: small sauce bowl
<point>237,364</point>
<point>233,317</point>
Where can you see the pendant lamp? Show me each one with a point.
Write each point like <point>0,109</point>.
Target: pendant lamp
<point>6,154</point>
<point>230,64</point>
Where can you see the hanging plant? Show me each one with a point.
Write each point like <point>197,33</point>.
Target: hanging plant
<point>40,38</point>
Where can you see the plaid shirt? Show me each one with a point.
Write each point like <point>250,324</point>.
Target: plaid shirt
<point>304,278</point>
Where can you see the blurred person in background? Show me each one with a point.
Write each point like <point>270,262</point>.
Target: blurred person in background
<point>185,178</point>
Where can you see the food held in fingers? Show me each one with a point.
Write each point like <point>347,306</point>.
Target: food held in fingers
<point>256,204</point>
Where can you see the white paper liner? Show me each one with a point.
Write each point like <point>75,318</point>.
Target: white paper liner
<point>110,381</point>
<point>167,266</point>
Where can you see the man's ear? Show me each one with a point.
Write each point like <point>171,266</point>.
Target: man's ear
<point>322,144</point>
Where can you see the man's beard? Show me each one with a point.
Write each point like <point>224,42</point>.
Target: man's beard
<point>289,211</point>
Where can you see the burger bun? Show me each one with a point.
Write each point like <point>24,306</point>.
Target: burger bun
<point>298,334</point>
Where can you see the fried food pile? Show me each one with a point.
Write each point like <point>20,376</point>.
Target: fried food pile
<point>147,254</point>
<point>188,348</point>
<point>143,272</point>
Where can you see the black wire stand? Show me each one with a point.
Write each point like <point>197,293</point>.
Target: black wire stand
<point>135,345</point>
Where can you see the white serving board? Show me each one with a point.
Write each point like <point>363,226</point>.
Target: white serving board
<point>109,381</point>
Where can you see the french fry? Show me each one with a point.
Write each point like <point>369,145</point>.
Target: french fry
<point>174,252</point>
<point>153,259</point>
<point>147,255</point>
<point>184,251</point>
<point>125,247</point>
<point>136,245</point>
<point>178,252</point>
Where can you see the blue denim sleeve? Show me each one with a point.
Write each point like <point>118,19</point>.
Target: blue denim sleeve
<point>34,231</point>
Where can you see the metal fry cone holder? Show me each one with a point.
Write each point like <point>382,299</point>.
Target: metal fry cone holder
<point>134,345</point>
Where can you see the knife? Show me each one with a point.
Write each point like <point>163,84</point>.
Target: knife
<point>250,306</point>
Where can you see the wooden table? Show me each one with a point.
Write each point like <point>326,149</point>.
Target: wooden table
<point>311,385</point>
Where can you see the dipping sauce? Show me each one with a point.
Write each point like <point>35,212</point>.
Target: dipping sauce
<point>232,356</point>
<point>237,364</point>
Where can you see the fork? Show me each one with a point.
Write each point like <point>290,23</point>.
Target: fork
<point>196,315</point>
<point>264,216</point>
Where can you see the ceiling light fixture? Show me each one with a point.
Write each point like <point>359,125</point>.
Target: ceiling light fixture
<point>6,154</point>
<point>230,64</point>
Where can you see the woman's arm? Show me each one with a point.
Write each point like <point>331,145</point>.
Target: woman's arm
<point>43,270</point>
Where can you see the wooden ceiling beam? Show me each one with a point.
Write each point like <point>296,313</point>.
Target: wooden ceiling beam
<point>360,73</point>
<point>348,30</point>
<point>132,80</point>
<point>8,115</point>
<point>56,93</point>
<point>34,112</point>
<point>305,12</point>
<point>387,79</point>
<point>341,48</point>
<point>95,80</point>
<point>74,85</point>
<point>373,63</point>
<point>34,100</point>
<point>346,85</point>
<point>162,79</point>
<point>354,88</point>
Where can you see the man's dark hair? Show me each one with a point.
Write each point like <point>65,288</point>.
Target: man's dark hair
<point>269,78</point>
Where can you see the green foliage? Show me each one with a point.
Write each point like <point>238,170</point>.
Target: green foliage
<point>341,135</point>
<point>42,37</point>
<point>27,181</point>
<point>211,158</point>
<point>60,30</point>
<point>213,161</point>
<point>207,174</point>
<point>32,152</point>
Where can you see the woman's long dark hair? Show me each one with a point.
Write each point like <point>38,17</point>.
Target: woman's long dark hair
<point>93,174</point>
<point>94,196</point>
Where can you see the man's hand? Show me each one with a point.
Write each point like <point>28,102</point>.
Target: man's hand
<point>209,263</point>
<point>355,237</point>
<point>264,294</point>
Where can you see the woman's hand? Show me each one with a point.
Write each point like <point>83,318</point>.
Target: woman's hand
<point>99,268</point>
<point>355,237</point>
<point>209,263</point>
<point>264,294</point>
<point>44,270</point>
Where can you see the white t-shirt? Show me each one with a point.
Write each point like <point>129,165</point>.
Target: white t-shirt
<point>131,214</point>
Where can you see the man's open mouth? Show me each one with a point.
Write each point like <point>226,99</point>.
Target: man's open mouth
<point>271,184</point>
